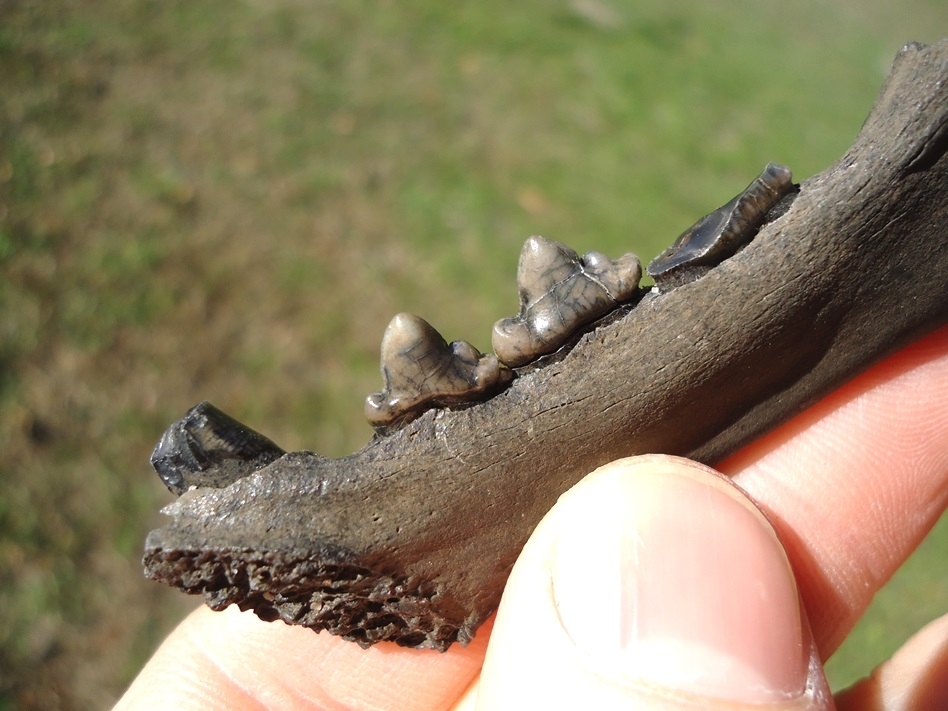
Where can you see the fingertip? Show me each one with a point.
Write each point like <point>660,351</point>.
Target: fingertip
<point>654,578</point>
<point>233,660</point>
<point>181,675</point>
<point>915,678</point>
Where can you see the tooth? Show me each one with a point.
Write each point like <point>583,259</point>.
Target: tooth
<point>720,234</point>
<point>422,371</point>
<point>207,447</point>
<point>559,293</point>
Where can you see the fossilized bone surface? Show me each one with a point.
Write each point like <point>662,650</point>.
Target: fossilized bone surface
<point>411,539</point>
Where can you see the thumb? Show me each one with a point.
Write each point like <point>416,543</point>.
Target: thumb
<point>653,583</point>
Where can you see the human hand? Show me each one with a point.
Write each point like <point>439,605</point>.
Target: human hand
<point>655,583</point>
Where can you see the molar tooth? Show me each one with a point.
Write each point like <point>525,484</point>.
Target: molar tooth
<point>421,370</point>
<point>559,293</point>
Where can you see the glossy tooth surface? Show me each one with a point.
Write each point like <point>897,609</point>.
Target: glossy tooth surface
<point>421,370</point>
<point>559,293</point>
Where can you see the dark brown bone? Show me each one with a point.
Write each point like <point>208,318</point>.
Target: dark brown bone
<point>412,538</point>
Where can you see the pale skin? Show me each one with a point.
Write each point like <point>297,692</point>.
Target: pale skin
<point>655,584</point>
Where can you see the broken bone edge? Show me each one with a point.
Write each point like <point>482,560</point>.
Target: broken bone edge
<point>327,592</point>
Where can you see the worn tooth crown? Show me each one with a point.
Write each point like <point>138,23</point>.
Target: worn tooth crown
<point>421,370</point>
<point>207,447</point>
<point>560,292</point>
<point>719,235</point>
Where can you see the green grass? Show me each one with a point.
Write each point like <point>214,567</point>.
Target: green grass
<point>228,201</point>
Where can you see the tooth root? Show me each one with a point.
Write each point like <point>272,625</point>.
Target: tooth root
<point>559,293</point>
<point>422,371</point>
<point>720,234</point>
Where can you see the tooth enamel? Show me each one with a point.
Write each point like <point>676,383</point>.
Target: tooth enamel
<point>422,371</point>
<point>720,234</point>
<point>559,293</point>
<point>209,448</point>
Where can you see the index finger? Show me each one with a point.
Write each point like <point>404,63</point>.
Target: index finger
<point>854,483</point>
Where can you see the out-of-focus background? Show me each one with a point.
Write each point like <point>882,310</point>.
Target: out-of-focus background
<point>228,200</point>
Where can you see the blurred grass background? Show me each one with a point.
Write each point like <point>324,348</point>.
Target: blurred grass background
<point>229,200</point>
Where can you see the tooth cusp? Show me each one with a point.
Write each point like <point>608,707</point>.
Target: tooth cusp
<point>421,371</point>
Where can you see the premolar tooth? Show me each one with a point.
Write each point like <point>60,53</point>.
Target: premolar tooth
<point>421,370</point>
<point>559,293</point>
<point>720,234</point>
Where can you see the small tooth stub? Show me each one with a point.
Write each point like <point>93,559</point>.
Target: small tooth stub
<point>421,370</point>
<point>209,448</point>
<point>559,293</point>
<point>720,234</point>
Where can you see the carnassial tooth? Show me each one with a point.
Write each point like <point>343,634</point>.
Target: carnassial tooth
<point>720,234</point>
<point>559,293</point>
<point>421,370</point>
